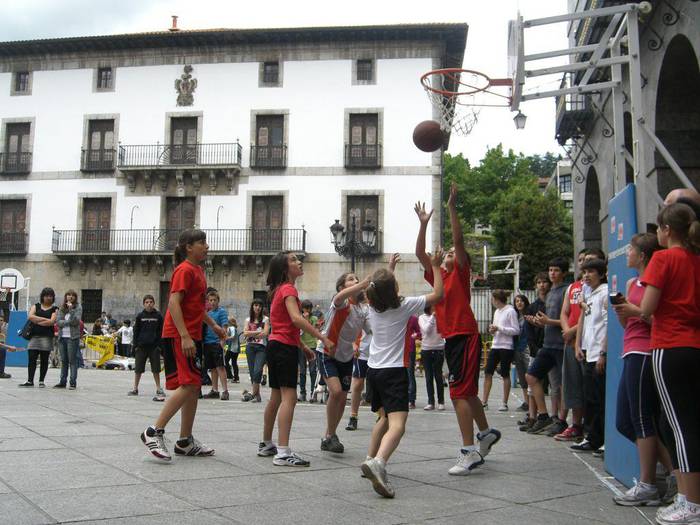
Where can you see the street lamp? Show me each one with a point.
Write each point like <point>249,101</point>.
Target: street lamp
<point>348,244</point>
<point>217,215</point>
<point>131,222</point>
<point>520,120</point>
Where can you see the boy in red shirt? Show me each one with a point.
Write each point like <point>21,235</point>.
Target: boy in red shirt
<point>182,327</point>
<point>457,324</point>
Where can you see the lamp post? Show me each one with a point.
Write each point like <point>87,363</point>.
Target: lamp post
<point>131,221</point>
<point>217,215</point>
<point>348,244</point>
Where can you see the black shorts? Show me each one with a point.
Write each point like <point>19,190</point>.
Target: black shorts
<point>389,389</point>
<point>150,352</point>
<point>213,356</point>
<point>282,365</point>
<point>330,367</point>
<point>359,368</point>
<point>499,355</point>
<point>545,360</point>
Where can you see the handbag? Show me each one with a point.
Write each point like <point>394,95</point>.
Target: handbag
<point>26,331</point>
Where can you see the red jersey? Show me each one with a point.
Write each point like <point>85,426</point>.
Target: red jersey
<point>190,279</point>
<point>283,329</point>
<point>676,321</point>
<point>575,296</point>
<point>454,313</point>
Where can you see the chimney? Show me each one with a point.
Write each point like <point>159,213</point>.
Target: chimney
<point>174,28</point>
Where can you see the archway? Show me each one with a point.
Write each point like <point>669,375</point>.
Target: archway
<point>592,237</point>
<point>678,114</point>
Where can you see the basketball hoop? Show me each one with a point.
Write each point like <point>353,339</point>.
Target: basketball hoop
<point>4,294</point>
<point>459,95</point>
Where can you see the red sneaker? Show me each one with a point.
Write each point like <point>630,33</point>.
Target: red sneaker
<point>573,433</point>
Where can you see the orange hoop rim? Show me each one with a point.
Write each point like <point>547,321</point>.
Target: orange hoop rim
<point>454,71</point>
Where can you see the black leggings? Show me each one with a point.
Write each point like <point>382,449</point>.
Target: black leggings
<point>44,364</point>
<point>231,362</point>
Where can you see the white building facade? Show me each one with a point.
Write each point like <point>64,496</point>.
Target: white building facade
<point>112,145</point>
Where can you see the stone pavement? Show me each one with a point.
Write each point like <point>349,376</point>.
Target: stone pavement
<point>75,456</point>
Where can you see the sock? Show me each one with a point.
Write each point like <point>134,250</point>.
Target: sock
<point>283,451</point>
<point>482,433</point>
<point>368,458</point>
<point>381,462</point>
<point>466,449</point>
<point>268,443</point>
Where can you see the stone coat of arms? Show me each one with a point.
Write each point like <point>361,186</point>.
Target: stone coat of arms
<point>185,86</point>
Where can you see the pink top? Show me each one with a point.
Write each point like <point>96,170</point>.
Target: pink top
<point>637,338</point>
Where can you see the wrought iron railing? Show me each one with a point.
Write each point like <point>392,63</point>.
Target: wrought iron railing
<point>164,155</point>
<point>97,159</point>
<point>268,157</point>
<point>363,155</point>
<point>16,162</point>
<point>248,240</point>
<point>13,243</point>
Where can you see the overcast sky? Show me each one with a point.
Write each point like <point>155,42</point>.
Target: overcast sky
<point>486,42</point>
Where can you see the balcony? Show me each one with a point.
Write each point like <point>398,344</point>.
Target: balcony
<point>268,157</point>
<point>574,114</point>
<point>199,162</point>
<point>16,163</point>
<point>363,156</point>
<point>94,160</point>
<point>13,243</point>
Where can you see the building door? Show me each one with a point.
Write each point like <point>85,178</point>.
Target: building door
<point>97,214</point>
<point>270,141</point>
<point>267,223</point>
<point>183,140</point>
<point>179,216</point>
<point>17,148</point>
<point>13,217</point>
<point>100,154</point>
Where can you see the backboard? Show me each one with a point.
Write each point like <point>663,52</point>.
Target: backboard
<point>516,63</point>
<point>11,279</point>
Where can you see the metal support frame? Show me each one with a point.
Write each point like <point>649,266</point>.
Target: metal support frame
<point>512,267</point>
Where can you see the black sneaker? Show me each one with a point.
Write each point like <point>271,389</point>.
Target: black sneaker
<point>247,396</point>
<point>524,407</point>
<point>332,444</point>
<point>352,423</point>
<point>213,394</point>
<point>5,376</point>
<point>26,384</point>
<point>60,385</point>
<point>542,422</point>
<point>555,428</point>
<point>584,446</point>
<point>527,425</point>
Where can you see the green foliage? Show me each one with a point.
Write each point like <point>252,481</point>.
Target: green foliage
<point>543,165</point>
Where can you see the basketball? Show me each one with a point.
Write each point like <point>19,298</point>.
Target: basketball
<point>427,136</point>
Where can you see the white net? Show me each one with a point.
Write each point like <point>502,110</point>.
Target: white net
<point>5,294</point>
<point>454,114</point>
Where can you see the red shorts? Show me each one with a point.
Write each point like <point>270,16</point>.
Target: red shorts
<point>179,370</point>
<point>463,356</point>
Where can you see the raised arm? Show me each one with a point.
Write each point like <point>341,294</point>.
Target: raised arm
<point>436,295</point>
<point>350,291</point>
<point>424,218</point>
<point>461,254</point>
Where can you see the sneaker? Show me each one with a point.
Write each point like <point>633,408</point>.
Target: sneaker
<point>540,424</point>
<point>5,376</point>
<point>599,453</point>
<point>192,447</point>
<point>555,428</point>
<point>158,398</point>
<point>429,407</point>
<point>573,433</point>
<point>60,385</point>
<point>26,384</point>
<point>671,490</point>
<point>678,513</point>
<point>266,450</point>
<point>42,384</point>
<point>488,440</point>
<point>639,496</point>
<point>583,446</point>
<point>132,393</point>
<point>524,407</point>
<point>525,420</point>
<point>352,423</point>
<point>411,406</point>
<point>72,387</point>
<point>485,405</point>
<point>247,396</point>
<point>302,398</point>
<point>466,462</point>
<point>256,399</point>
<point>290,460</point>
<point>441,406</point>
<point>213,394</point>
<point>526,424</point>
<point>155,442</point>
<point>374,471</point>
<point>224,395</point>
<point>332,444</point>
<point>503,408</point>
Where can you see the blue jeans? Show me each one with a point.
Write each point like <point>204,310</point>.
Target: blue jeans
<point>303,366</point>
<point>70,355</point>
<point>432,366</point>
<point>411,370</point>
<point>255,354</point>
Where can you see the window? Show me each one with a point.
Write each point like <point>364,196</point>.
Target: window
<point>269,150</point>
<point>268,222</point>
<point>100,147</point>
<point>104,78</point>
<point>271,72</point>
<point>22,83</point>
<point>363,150</point>
<point>92,304</point>
<point>365,71</point>
<point>13,216</point>
<point>364,209</point>
<point>565,184</point>
<point>18,154</point>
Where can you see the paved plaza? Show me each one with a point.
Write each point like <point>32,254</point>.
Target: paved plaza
<point>75,457</point>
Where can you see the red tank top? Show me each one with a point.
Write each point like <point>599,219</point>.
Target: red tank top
<point>637,338</point>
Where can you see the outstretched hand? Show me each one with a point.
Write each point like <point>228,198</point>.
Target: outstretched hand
<point>423,216</point>
<point>394,260</point>
<point>436,258</point>
<point>452,199</point>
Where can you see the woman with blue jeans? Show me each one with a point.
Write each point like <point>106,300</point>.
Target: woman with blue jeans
<point>256,330</point>
<point>68,322</point>
<point>432,356</point>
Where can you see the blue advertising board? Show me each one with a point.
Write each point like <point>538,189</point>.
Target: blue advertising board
<point>621,458</point>
<point>15,324</point>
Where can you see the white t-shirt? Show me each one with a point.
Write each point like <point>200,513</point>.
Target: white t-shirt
<point>363,350</point>
<point>388,349</point>
<point>594,332</point>
<point>343,325</point>
<point>506,319</point>
<point>65,331</point>
<point>430,337</point>
<point>127,333</point>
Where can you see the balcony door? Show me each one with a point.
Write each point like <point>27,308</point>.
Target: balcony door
<point>97,216</point>
<point>270,141</point>
<point>363,139</point>
<point>183,140</point>
<point>267,223</point>
<point>17,148</point>
<point>179,216</point>
<point>100,154</point>
<point>13,217</point>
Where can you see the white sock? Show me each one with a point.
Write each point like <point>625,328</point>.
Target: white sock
<point>268,443</point>
<point>681,498</point>
<point>482,433</point>
<point>283,451</point>
<point>368,458</point>
<point>466,449</point>
<point>646,485</point>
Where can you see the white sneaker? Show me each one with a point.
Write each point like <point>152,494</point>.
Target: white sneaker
<point>487,441</point>
<point>290,460</point>
<point>678,502</point>
<point>466,462</point>
<point>156,444</point>
<point>266,450</point>
<point>639,496</point>
<point>374,471</point>
<point>194,447</point>
<point>441,406</point>
<point>429,407</point>
<point>503,408</point>
<point>679,513</point>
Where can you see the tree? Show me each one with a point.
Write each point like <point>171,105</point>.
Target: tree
<point>543,165</point>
